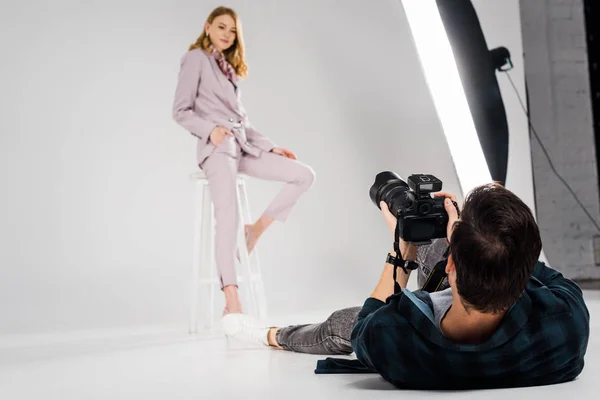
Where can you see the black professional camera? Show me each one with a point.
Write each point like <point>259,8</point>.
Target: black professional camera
<point>420,216</point>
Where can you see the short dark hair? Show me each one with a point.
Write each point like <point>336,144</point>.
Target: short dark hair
<point>495,245</point>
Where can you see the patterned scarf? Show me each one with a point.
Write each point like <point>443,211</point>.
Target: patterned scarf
<point>225,67</point>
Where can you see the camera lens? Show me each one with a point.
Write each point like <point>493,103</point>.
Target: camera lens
<point>389,187</point>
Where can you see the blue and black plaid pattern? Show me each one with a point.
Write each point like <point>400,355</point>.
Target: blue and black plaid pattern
<point>541,340</point>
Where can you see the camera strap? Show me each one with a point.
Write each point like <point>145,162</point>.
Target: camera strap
<point>438,275</point>
<point>436,278</point>
<point>399,261</point>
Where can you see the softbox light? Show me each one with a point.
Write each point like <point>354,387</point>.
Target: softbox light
<point>460,72</point>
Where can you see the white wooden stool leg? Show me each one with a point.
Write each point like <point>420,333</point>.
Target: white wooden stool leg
<point>193,323</point>
<point>245,258</point>
<point>205,276</point>
<point>254,266</point>
<point>209,260</point>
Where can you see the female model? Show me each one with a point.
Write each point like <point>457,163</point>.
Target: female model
<point>207,104</point>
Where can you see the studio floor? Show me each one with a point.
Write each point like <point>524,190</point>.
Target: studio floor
<point>173,365</point>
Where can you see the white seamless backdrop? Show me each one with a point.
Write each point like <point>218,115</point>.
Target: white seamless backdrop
<point>97,209</point>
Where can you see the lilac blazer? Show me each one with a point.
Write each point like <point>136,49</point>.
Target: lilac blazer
<point>204,99</point>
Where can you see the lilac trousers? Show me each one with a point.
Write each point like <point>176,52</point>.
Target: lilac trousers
<point>221,169</point>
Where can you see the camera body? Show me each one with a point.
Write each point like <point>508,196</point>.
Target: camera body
<point>427,219</point>
<point>421,217</point>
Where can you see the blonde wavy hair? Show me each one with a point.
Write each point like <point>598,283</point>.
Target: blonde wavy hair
<point>235,53</point>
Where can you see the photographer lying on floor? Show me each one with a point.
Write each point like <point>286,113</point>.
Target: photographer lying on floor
<point>506,320</point>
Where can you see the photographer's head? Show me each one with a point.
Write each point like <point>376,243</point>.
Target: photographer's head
<point>493,249</point>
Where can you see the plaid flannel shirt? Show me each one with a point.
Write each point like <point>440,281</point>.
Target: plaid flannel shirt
<point>541,340</point>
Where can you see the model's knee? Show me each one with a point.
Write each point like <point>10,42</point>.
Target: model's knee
<point>306,177</point>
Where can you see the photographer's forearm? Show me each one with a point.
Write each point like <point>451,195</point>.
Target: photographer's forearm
<point>385,287</point>
<point>402,278</point>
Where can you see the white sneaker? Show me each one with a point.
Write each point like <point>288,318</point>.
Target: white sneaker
<point>245,329</point>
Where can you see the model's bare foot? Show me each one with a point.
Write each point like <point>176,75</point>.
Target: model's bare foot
<point>232,300</point>
<point>252,235</point>
<point>254,232</point>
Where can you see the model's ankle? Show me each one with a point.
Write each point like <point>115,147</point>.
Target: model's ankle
<point>232,300</point>
<point>230,291</point>
<point>233,307</point>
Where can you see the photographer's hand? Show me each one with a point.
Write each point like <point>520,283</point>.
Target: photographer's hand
<point>409,250</point>
<point>451,210</point>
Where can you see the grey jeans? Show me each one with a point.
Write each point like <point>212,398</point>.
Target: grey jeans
<point>329,337</point>
<point>332,337</point>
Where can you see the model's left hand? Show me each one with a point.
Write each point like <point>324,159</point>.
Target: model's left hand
<point>284,152</point>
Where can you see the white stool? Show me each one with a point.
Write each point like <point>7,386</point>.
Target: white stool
<point>205,277</point>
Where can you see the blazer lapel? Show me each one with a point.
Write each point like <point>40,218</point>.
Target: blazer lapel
<point>229,91</point>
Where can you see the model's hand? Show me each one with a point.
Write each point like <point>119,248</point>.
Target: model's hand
<point>218,134</point>
<point>284,152</point>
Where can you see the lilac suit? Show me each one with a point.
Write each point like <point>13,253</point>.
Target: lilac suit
<point>205,99</point>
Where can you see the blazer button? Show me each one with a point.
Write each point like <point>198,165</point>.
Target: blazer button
<point>230,119</point>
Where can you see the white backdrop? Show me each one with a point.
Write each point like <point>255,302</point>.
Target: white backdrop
<point>96,207</point>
